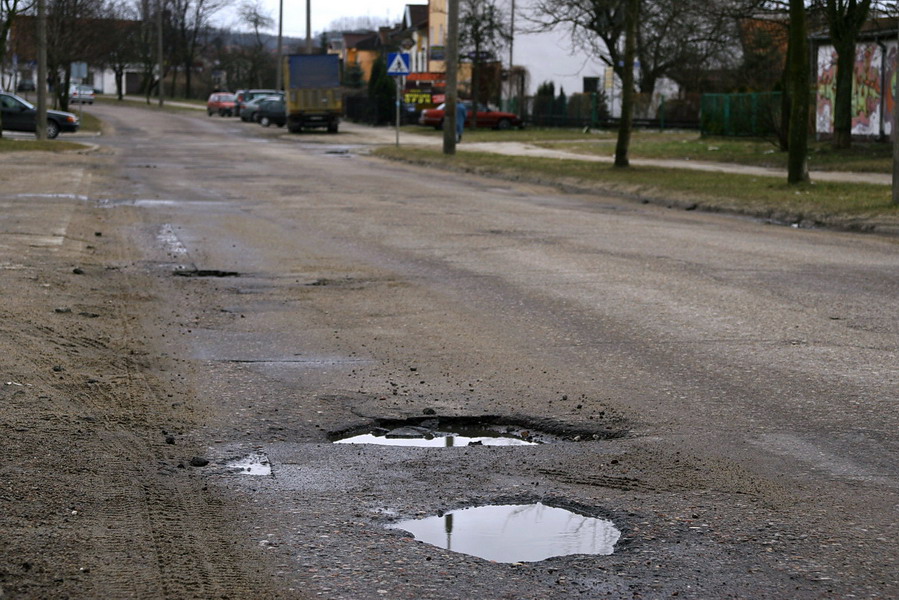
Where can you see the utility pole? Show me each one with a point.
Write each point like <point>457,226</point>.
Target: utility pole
<point>159,49</point>
<point>452,71</point>
<point>511,63</point>
<point>308,26</point>
<point>41,83</point>
<point>280,68</point>
<point>896,136</point>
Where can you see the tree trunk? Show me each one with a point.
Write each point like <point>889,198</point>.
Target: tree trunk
<point>842,104</point>
<point>627,85</point>
<point>797,162</point>
<point>119,83</point>
<point>783,135</point>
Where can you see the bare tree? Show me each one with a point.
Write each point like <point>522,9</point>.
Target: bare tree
<point>844,19</point>
<point>252,13</point>
<point>9,9</point>
<point>797,160</point>
<point>122,42</point>
<point>631,17</point>
<point>483,32</point>
<point>670,33</point>
<point>74,34</point>
<point>190,22</point>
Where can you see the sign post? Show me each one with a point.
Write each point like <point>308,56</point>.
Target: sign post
<point>398,67</point>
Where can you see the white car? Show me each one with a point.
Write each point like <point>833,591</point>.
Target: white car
<point>82,94</point>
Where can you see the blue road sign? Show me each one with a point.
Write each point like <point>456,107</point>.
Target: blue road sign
<point>398,63</point>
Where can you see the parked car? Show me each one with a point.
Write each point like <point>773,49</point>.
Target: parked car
<point>82,94</point>
<point>26,85</point>
<point>220,103</point>
<point>248,109</point>
<point>487,118</point>
<point>244,96</point>
<point>21,115</point>
<point>272,111</point>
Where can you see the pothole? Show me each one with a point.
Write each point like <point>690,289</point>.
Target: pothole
<point>515,533</point>
<point>254,464</point>
<point>204,273</point>
<point>443,433</point>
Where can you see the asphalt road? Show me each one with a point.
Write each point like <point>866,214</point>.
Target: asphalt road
<point>723,390</point>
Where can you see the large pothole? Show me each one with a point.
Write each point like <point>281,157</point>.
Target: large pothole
<point>515,533</point>
<point>439,431</point>
<point>442,432</point>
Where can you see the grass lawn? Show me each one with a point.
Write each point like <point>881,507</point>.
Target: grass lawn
<point>30,144</point>
<point>168,105</point>
<point>838,204</point>
<point>868,157</point>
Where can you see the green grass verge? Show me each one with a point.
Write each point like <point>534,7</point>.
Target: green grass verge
<point>26,145</point>
<point>170,105</point>
<point>89,122</point>
<point>866,157</point>
<point>835,204</point>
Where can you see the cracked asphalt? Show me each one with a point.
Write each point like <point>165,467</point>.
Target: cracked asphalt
<point>198,290</point>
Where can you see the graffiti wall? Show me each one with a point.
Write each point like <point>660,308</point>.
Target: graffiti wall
<point>872,110</point>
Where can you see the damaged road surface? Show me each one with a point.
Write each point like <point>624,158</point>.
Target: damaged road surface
<point>184,337</point>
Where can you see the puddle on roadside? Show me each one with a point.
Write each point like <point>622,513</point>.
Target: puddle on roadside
<point>254,464</point>
<point>515,533</point>
<point>434,434</point>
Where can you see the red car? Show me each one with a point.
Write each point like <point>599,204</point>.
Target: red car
<point>221,103</point>
<point>487,118</point>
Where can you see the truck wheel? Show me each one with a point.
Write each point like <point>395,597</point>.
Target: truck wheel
<point>294,127</point>
<point>332,127</point>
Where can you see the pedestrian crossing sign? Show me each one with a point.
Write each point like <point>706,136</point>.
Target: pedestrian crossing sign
<point>398,63</point>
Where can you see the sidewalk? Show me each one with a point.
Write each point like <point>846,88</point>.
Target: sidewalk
<point>387,135</point>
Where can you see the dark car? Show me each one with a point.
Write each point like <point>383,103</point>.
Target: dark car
<point>249,108</point>
<point>488,118</point>
<point>26,85</point>
<point>272,111</point>
<point>244,96</point>
<point>220,103</point>
<point>20,115</point>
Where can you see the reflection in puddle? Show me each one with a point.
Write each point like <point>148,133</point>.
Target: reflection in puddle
<point>516,533</point>
<point>446,437</point>
<point>254,464</point>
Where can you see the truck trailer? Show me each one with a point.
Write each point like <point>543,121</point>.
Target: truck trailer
<point>314,97</point>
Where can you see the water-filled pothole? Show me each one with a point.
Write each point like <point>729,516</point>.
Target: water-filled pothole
<point>443,433</point>
<point>254,464</point>
<point>515,533</point>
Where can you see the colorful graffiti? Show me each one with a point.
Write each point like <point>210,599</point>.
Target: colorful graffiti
<point>827,86</point>
<point>871,108</point>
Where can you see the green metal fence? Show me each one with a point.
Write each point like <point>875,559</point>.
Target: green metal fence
<point>755,114</point>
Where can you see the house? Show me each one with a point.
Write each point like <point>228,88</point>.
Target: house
<point>873,84</point>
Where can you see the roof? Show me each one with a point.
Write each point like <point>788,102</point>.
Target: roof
<point>873,29</point>
<point>416,16</point>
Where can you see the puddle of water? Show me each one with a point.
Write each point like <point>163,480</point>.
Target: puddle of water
<point>515,533</point>
<point>54,196</point>
<point>254,464</point>
<point>445,437</point>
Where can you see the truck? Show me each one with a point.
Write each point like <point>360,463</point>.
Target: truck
<point>314,97</point>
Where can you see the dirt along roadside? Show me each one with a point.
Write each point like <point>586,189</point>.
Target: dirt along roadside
<point>97,489</point>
